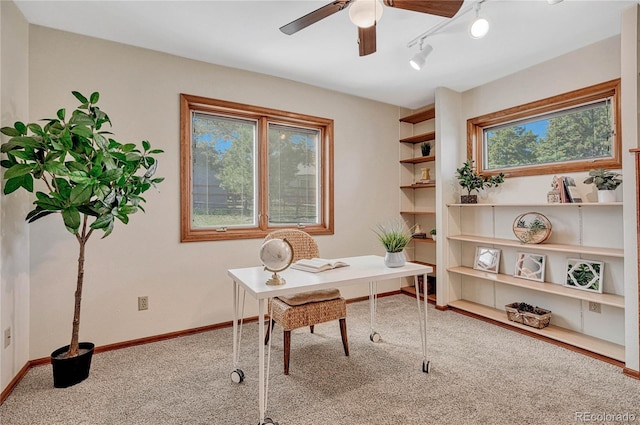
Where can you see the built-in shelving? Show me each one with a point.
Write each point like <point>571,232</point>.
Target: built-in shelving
<point>540,205</point>
<point>464,274</point>
<point>419,138</point>
<point>423,115</point>
<point>418,207</point>
<point>549,247</point>
<point>577,339</point>
<point>418,160</point>
<point>550,288</point>
<point>418,186</point>
<point>418,212</point>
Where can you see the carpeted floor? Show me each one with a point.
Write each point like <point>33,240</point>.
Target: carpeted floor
<point>480,374</point>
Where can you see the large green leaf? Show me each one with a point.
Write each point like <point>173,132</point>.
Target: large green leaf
<point>101,141</point>
<point>71,218</point>
<point>95,96</point>
<point>80,97</point>
<point>12,185</point>
<point>20,143</point>
<point>110,175</point>
<point>102,222</point>
<point>18,170</point>
<point>9,131</point>
<point>36,129</point>
<point>82,131</point>
<point>55,167</point>
<point>80,194</point>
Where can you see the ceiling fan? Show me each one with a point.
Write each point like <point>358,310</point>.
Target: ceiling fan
<point>366,13</point>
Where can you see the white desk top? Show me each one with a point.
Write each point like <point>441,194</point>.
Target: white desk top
<point>363,269</point>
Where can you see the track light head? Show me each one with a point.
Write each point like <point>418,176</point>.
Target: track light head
<point>418,60</point>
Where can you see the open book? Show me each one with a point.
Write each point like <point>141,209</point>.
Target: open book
<point>315,265</point>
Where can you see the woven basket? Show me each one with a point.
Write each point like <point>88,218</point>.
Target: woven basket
<point>530,319</point>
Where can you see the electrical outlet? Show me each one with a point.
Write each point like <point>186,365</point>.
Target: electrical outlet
<point>594,307</point>
<point>7,338</point>
<point>143,303</point>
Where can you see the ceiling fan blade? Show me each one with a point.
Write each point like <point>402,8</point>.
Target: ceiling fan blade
<point>446,8</point>
<point>367,40</point>
<point>313,17</point>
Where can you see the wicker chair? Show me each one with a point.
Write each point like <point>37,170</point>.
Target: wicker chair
<point>308,308</point>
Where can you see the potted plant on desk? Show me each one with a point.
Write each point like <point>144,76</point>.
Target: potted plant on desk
<point>394,237</point>
<point>88,178</point>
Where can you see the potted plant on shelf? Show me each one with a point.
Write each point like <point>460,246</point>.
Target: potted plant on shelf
<point>88,178</point>
<point>606,182</point>
<point>472,181</point>
<point>394,237</point>
<point>425,148</point>
<point>432,232</point>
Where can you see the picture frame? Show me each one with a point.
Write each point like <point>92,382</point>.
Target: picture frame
<point>585,275</point>
<point>487,259</point>
<point>530,266</point>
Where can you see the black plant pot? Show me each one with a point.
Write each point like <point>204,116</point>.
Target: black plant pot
<point>73,370</point>
<point>468,199</point>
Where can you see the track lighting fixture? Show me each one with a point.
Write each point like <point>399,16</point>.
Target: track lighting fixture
<point>418,60</point>
<point>480,26</point>
<point>365,13</point>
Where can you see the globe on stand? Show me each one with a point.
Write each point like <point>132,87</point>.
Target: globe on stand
<point>276,256</point>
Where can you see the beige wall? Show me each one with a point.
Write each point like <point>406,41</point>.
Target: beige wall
<point>14,233</point>
<point>186,283</point>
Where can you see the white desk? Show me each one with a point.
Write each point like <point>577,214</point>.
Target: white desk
<point>365,269</point>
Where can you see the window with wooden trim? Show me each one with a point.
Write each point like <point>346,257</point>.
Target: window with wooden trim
<point>575,131</point>
<point>247,170</point>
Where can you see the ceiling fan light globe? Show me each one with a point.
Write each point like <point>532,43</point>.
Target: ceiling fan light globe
<point>365,13</point>
<point>479,28</point>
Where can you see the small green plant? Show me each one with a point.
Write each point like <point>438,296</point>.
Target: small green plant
<point>432,232</point>
<point>604,179</point>
<point>528,308</point>
<point>536,226</point>
<point>470,180</point>
<point>394,236</point>
<point>425,148</point>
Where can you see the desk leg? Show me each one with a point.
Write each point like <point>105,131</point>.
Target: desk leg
<point>237,375</point>
<point>422,320</point>
<point>373,291</point>
<point>262,376</point>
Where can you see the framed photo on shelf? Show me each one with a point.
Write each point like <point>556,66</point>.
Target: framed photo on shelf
<point>487,259</point>
<point>530,266</point>
<point>584,274</point>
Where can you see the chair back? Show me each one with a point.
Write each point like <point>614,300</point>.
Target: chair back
<point>304,246</point>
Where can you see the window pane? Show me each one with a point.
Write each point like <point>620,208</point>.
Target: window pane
<point>293,175</point>
<point>223,188</point>
<point>576,134</point>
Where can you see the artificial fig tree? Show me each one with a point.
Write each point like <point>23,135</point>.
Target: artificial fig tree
<point>88,177</point>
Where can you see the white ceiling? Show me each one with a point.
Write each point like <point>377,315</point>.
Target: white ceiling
<point>245,35</point>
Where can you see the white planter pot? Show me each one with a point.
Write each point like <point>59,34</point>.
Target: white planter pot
<point>395,259</point>
<point>606,196</point>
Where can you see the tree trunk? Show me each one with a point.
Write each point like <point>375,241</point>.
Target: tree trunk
<point>75,330</point>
